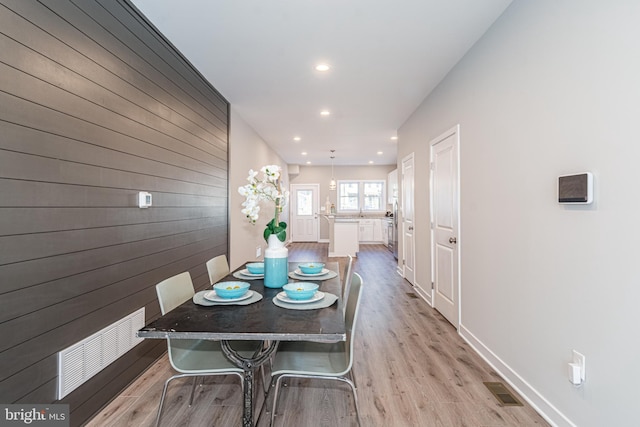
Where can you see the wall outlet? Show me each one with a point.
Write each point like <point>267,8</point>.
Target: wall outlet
<point>258,251</point>
<point>579,361</point>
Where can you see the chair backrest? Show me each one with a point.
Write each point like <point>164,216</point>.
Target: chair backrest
<point>346,279</point>
<point>351,313</point>
<point>217,268</point>
<point>174,291</point>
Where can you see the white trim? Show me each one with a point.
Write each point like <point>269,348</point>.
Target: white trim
<point>549,412</point>
<point>426,296</point>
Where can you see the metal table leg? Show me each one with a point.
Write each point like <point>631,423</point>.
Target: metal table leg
<point>248,365</point>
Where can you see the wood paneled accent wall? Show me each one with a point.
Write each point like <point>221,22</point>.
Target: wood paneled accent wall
<point>95,106</point>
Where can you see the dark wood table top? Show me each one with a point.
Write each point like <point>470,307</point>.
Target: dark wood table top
<point>262,320</point>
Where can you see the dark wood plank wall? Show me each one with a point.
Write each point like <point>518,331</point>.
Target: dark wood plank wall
<point>95,106</point>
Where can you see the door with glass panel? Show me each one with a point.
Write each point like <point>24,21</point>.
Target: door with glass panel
<point>305,199</point>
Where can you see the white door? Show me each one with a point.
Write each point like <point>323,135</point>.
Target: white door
<point>444,223</point>
<point>408,242</point>
<point>305,199</point>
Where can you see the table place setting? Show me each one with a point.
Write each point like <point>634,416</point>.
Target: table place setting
<point>303,296</point>
<point>253,271</point>
<point>312,271</point>
<point>227,293</point>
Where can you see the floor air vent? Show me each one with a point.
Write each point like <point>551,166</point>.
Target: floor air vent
<point>504,396</point>
<point>81,361</point>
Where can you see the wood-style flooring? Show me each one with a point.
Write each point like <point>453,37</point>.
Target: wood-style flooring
<point>411,369</point>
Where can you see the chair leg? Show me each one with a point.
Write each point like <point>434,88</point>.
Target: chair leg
<point>164,393</point>
<point>352,383</point>
<point>193,390</point>
<point>275,398</point>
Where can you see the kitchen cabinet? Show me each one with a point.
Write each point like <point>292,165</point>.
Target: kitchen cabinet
<point>370,230</point>
<point>385,231</point>
<point>392,186</point>
<point>366,230</point>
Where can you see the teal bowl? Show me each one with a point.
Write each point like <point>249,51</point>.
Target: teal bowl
<point>300,290</point>
<point>256,267</point>
<point>311,267</point>
<point>231,289</point>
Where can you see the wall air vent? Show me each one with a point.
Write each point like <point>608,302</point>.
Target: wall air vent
<point>81,361</point>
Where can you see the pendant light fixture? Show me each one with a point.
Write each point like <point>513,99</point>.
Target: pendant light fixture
<point>332,183</point>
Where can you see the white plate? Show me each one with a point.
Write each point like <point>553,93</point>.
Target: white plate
<point>212,296</point>
<point>282,296</point>
<point>300,273</point>
<point>245,272</point>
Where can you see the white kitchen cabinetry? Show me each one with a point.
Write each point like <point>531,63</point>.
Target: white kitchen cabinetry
<point>392,186</point>
<point>366,230</point>
<point>377,231</point>
<point>370,230</point>
<point>385,231</point>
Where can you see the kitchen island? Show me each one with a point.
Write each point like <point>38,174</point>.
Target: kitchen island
<point>343,236</point>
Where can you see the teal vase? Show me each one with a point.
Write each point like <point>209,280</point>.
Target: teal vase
<point>276,263</point>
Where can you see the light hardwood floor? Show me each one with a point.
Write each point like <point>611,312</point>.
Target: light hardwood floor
<point>411,369</point>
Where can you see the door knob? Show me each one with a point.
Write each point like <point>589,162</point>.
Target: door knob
<point>453,240</point>
<point>410,228</point>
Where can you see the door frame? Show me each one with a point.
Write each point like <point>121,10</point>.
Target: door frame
<point>453,131</point>
<point>409,157</point>
<point>316,190</point>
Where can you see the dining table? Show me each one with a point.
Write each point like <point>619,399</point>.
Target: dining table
<point>268,320</point>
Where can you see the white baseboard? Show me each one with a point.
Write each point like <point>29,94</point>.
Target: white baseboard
<point>323,241</point>
<point>549,412</point>
<point>427,296</point>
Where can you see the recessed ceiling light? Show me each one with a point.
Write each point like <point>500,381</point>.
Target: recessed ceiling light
<point>370,162</point>
<point>308,162</point>
<point>325,112</point>
<point>394,138</point>
<point>304,153</point>
<point>379,153</point>
<point>323,67</point>
<point>296,138</point>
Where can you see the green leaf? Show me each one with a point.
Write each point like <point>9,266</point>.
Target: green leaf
<point>282,235</point>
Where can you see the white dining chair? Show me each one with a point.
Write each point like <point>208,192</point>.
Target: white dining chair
<point>189,357</point>
<point>329,361</point>
<point>346,282</point>
<point>217,268</point>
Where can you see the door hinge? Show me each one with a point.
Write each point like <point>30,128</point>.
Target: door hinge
<point>432,165</point>
<point>432,285</point>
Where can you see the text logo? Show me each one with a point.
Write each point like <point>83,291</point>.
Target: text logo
<point>34,415</point>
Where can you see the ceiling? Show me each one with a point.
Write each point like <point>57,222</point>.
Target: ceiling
<point>385,57</point>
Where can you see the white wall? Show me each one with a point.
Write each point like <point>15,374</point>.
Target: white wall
<point>247,151</point>
<point>552,88</point>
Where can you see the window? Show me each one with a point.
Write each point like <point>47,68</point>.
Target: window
<point>304,202</point>
<point>365,196</point>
